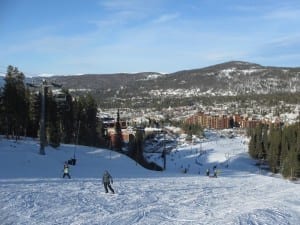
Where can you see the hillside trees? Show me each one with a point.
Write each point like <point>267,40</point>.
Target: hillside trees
<point>137,152</point>
<point>20,113</point>
<point>290,155</point>
<point>118,134</point>
<point>273,155</point>
<point>52,118</point>
<point>192,129</point>
<point>258,145</point>
<point>86,120</point>
<point>67,120</point>
<point>279,145</point>
<point>33,114</point>
<point>14,103</point>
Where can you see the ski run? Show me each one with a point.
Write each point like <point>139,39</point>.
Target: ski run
<point>32,190</point>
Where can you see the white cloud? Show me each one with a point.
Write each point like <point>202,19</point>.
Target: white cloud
<point>166,18</point>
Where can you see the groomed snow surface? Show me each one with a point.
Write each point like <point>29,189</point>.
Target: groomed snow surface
<point>33,192</point>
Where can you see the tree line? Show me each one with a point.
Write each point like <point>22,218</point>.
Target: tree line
<point>278,145</point>
<point>73,120</point>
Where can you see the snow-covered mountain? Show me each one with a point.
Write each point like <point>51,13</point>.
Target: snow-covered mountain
<point>183,88</point>
<point>225,79</point>
<point>33,192</point>
<point>234,78</point>
<point>231,78</point>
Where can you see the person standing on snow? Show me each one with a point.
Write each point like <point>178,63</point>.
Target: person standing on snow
<point>66,170</point>
<point>106,180</point>
<point>207,172</point>
<point>215,173</point>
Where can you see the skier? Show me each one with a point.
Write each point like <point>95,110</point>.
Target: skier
<point>215,173</point>
<point>207,172</point>
<point>106,180</point>
<point>66,170</point>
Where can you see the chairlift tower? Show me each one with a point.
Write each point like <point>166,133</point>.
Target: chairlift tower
<point>42,123</point>
<point>43,90</point>
<point>164,150</point>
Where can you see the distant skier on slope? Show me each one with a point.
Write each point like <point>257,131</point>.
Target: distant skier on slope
<point>215,173</point>
<point>106,180</point>
<point>66,170</point>
<point>207,172</point>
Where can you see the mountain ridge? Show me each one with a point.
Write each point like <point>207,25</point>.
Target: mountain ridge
<point>231,78</point>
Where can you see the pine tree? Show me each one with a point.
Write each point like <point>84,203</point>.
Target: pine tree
<point>255,143</point>
<point>118,134</point>
<point>273,154</point>
<point>265,142</point>
<point>259,142</point>
<point>290,161</point>
<point>139,140</point>
<point>67,119</point>
<point>15,107</point>
<point>86,115</point>
<point>53,132</point>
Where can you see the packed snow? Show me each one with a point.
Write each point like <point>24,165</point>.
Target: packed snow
<point>32,190</point>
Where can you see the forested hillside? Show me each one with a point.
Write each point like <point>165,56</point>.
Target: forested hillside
<point>21,111</point>
<point>278,147</point>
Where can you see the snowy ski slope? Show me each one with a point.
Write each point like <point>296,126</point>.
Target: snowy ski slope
<point>33,192</point>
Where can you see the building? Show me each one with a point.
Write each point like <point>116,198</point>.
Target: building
<point>216,121</point>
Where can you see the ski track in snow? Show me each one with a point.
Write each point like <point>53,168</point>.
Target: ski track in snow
<point>185,200</point>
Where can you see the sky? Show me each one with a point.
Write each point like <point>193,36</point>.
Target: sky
<point>107,36</point>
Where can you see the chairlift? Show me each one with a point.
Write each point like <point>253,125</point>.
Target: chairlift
<point>73,160</point>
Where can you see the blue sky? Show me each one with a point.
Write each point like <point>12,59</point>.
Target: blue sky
<point>108,36</point>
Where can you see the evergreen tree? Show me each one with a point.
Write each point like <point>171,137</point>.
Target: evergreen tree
<point>252,144</point>
<point>259,142</point>
<point>265,142</point>
<point>139,140</point>
<point>67,119</point>
<point>15,106</point>
<point>32,123</point>
<point>53,131</point>
<point>290,160</point>
<point>118,134</point>
<point>86,116</point>
<point>274,151</point>
<point>280,147</point>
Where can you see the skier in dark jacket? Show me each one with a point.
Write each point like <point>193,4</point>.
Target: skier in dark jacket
<point>207,172</point>
<point>106,180</point>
